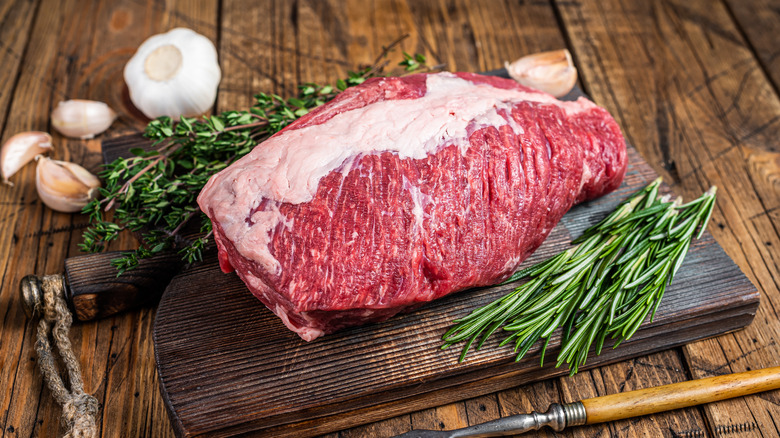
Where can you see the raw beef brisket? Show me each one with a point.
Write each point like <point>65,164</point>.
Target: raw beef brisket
<point>403,190</point>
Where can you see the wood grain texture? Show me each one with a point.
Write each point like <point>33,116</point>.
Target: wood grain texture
<point>95,291</point>
<point>451,33</point>
<point>16,19</point>
<point>673,396</point>
<point>707,116</point>
<point>663,68</point>
<point>227,365</point>
<point>758,21</point>
<point>73,50</point>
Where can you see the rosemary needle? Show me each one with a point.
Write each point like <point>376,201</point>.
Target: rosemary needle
<point>606,285</point>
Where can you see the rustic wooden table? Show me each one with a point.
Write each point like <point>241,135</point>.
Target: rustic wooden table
<point>694,84</point>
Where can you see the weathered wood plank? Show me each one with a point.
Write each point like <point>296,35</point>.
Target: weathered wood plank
<point>663,368</point>
<point>431,35</point>
<point>454,39</point>
<point>456,32</point>
<point>697,104</point>
<point>16,21</point>
<point>536,397</point>
<point>324,41</point>
<point>244,407</point>
<point>25,248</point>
<point>482,409</point>
<point>536,24</point>
<point>445,32</point>
<point>451,34</point>
<point>759,20</point>
<point>76,50</point>
<point>131,400</point>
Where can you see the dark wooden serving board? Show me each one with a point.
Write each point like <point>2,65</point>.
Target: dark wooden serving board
<point>228,366</point>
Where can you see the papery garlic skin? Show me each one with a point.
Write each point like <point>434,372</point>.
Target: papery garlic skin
<point>174,74</point>
<point>552,72</point>
<point>78,118</point>
<point>20,150</point>
<point>64,186</point>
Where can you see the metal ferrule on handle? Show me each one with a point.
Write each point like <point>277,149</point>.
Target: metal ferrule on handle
<point>557,417</point>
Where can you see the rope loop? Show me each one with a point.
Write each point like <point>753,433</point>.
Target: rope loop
<point>79,410</point>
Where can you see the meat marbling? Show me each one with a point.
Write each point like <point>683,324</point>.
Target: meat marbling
<point>403,190</point>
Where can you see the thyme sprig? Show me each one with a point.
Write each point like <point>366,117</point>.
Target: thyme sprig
<point>153,193</point>
<point>605,285</point>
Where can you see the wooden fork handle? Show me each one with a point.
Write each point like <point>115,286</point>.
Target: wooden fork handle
<point>680,395</point>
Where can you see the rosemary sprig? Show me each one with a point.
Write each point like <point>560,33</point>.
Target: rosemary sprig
<point>605,285</point>
<point>153,193</point>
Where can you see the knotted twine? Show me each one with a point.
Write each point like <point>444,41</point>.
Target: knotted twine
<point>79,409</point>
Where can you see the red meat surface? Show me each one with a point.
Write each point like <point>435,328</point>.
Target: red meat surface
<point>383,232</point>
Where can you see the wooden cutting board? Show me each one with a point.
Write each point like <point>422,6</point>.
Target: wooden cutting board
<point>228,366</point>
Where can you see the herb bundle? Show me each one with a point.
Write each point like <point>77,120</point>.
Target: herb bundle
<point>606,285</point>
<point>153,193</point>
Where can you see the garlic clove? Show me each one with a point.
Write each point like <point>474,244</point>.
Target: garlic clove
<point>20,150</point>
<point>82,119</point>
<point>552,72</point>
<point>174,74</point>
<point>64,186</point>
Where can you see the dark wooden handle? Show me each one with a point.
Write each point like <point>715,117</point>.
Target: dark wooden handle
<point>680,395</point>
<point>95,291</point>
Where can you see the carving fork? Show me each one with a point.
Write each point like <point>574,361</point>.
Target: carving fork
<point>620,406</point>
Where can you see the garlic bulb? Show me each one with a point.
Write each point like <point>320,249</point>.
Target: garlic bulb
<point>174,74</point>
<point>551,72</point>
<point>20,150</point>
<point>82,119</point>
<point>64,186</point>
